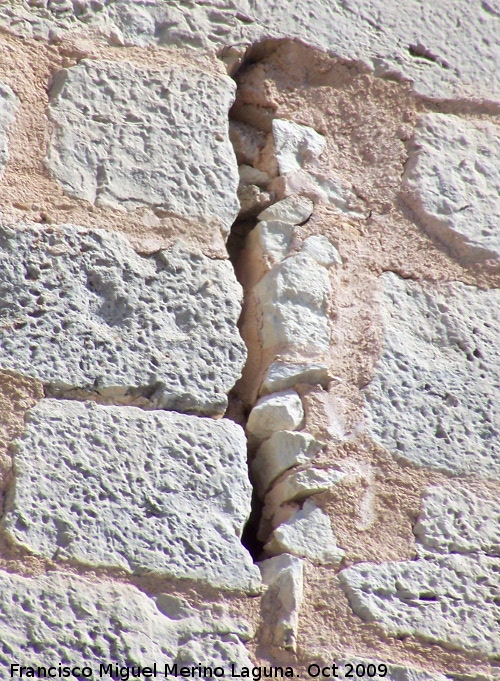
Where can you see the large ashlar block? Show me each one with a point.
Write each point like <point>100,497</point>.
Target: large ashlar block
<point>128,136</point>
<point>80,309</point>
<point>434,399</point>
<point>59,619</point>
<point>140,490</point>
<point>293,298</point>
<point>453,182</point>
<point>454,519</point>
<point>450,600</point>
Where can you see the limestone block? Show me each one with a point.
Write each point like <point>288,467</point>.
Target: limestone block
<point>127,136</point>
<point>440,365</point>
<point>80,309</point>
<point>270,241</point>
<point>140,490</point>
<point>319,248</point>
<point>282,451</point>
<point>293,298</point>
<point>294,210</point>
<point>302,484</point>
<point>281,602</point>
<point>281,411</point>
<point>452,180</point>
<point>8,106</point>
<point>455,520</point>
<point>59,619</point>
<point>296,145</point>
<point>308,534</point>
<point>450,600</point>
<point>281,375</point>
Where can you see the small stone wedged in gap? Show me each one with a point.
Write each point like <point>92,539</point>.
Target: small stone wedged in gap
<point>124,137</point>
<point>296,145</point>
<point>307,533</point>
<point>281,602</point>
<point>270,241</point>
<point>283,450</point>
<point>281,375</point>
<point>139,490</point>
<point>81,310</point>
<point>57,618</point>
<point>452,182</point>
<point>8,106</point>
<point>293,210</point>
<point>454,519</point>
<point>449,600</point>
<point>434,398</point>
<point>280,411</point>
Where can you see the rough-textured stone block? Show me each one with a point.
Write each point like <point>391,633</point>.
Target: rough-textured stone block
<point>57,619</point>
<point>119,486</point>
<point>80,309</point>
<point>126,136</point>
<point>281,411</point>
<point>455,520</point>
<point>8,105</point>
<point>270,241</point>
<point>434,399</point>
<point>296,145</point>
<point>293,298</point>
<point>308,534</point>
<point>450,600</point>
<point>284,578</point>
<point>453,182</point>
<point>282,451</point>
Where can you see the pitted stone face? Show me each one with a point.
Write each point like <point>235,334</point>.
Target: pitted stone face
<point>58,619</point>
<point>450,600</point>
<point>8,104</point>
<point>434,399</point>
<point>140,490</point>
<point>452,180</point>
<point>125,136</point>
<point>80,309</point>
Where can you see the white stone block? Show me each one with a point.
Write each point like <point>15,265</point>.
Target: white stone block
<point>452,600</point>
<point>281,375</point>
<point>126,136</point>
<point>56,619</point>
<point>80,309</point>
<point>270,241</point>
<point>302,484</point>
<point>296,145</point>
<point>138,490</point>
<point>452,180</point>
<point>282,451</point>
<point>434,399</point>
<point>454,519</point>
<point>293,298</point>
<point>281,411</point>
<point>283,576</point>
<point>294,210</point>
<point>308,534</point>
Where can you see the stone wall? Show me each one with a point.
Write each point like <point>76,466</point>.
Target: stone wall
<point>249,339</point>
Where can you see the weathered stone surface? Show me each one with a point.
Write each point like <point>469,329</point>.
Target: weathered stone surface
<point>302,484</point>
<point>80,309</point>
<point>270,241</point>
<point>440,365</point>
<point>125,136</point>
<point>281,411</point>
<point>293,210</point>
<point>282,375</point>
<point>282,451</point>
<point>296,145</point>
<point>455,520</point>
<point>8,105</point>
<point>319,248</point>
<point>308,534</point>
<point>58,619</point>
<point>293,298</point>
<point>119,486</point>
<point>281,602</point>
<point>248,142</point>
<point>452,180</point>
<point>419,42</point>
<point>450,600</point>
